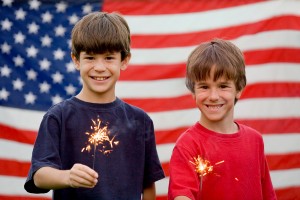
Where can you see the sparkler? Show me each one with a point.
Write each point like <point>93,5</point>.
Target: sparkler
<point>203,167</point>
<point>99,137</point>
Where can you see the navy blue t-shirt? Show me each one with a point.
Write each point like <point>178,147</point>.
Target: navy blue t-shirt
<point>124,156</point>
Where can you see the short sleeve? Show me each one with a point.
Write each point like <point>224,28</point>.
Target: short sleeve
<point>45,151</point>
<point>183,178</point>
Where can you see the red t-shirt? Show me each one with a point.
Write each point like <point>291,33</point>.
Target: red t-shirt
<point>239,168</point>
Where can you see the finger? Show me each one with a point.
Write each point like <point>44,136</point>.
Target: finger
<point>89,171</point>
<point>81,175</point>
<point>81,182</point>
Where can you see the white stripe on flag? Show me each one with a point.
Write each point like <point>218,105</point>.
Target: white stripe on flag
<point>14,186</point>
<point>259,41</point>
<point>193,22</point>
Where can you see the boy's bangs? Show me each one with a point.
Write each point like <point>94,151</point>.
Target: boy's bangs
<point>228,72</point>
<point>100,34</point>
<point>221,69</point>
<point>101,43</point>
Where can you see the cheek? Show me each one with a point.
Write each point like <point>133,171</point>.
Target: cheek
<point>198,98</point>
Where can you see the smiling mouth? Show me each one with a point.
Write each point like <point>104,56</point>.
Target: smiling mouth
<point>214,107</point>
<point>99,78</point>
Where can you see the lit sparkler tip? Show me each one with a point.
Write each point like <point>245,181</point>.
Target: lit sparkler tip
<point>99,137</point>
<point>202,166</point>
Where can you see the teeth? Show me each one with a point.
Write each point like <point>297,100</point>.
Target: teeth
<point>214,107</point>
<point>100,78</point>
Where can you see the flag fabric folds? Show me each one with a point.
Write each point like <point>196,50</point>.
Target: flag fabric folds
<point>36,72</point>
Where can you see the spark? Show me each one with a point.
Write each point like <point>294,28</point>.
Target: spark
<point>99,139</point>
<point>203,167</point>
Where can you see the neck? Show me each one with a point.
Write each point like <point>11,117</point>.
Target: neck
<point>223,128</point>
<point>95,98</point>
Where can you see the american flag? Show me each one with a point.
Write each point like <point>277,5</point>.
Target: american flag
<point>36,72</point>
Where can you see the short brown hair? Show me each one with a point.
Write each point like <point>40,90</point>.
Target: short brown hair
<point>226,58</point>
<point>100,32</point>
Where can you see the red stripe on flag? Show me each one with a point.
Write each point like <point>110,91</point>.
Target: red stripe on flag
<point>18,135</point>
<point>284,125</point>
<point>161,198</point>
<point>285,161</point>
<point>165,166</point>
<point>163,104</point>
<point>14,168</point>
<point>286,22</point>
<point>3,197</point>
<point>259,90</point>
<point>169,7</point>
<point>154,72</point>
<point>169,136</point>
<point>286,55</point>
<point>291,193</point>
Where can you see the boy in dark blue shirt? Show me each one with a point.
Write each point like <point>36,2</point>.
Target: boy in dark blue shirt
<point>94,145</point>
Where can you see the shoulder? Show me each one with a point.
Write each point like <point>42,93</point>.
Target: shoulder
<point>248,129</point>
<point>62,107</point>
<point>250,132</point>
<point>188,138</point>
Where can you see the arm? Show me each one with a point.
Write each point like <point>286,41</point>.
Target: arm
<point>149,192</point>
<point>79,176</point>
<point>182,198</point>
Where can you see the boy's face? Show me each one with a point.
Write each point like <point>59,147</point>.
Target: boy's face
<point>99,73</point>
<point>215,100</point>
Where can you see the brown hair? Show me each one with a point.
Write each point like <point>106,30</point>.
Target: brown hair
<point>101,32</point>
<point>226,59</point>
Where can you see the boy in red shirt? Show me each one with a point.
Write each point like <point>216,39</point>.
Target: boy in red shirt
<point>233,153</point>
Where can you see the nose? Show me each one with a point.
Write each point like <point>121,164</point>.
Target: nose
<point>213,95</point>
<point>99,65</point>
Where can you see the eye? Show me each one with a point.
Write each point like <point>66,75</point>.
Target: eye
<point>224,86</point>
<point>109,57</point>
<point>90,58</point>
<point>203,87</point>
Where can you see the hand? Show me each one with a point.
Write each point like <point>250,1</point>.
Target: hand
<point>82,176</point>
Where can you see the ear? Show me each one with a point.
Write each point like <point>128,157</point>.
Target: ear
<point>125,62</point>
<point>75,61</point>
<point>238,94</point>
<point>194,96</point>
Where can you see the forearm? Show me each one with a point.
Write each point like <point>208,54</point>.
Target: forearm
<point>50,178</point>
<point>78,176</point>
<point>149,192</point>
<point>182,198</point>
